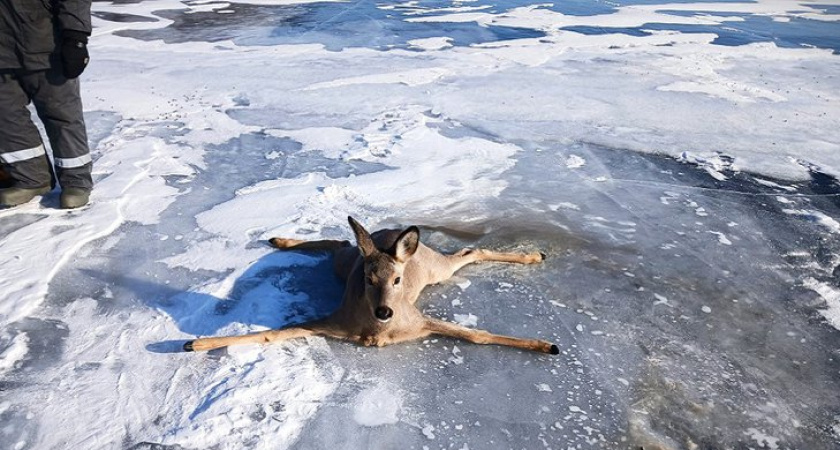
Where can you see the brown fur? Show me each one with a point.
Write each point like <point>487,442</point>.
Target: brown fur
<point>385,273</point>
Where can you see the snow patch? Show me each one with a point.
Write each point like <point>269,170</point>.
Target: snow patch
<point>456,358</point>
<point>713,164</point>
<point>467,320</point>
<point>564,205</point>
<point>15,351</point>
<point>431,44</point>
<point>409,78</point>
<point>661,300</point>
<point>721,237</point>
<point>763,439</point>
<point>831,295</point>
<point>575,162</point>
<point>816,216</point>
<point>464,284</point>
<point>379,405</point>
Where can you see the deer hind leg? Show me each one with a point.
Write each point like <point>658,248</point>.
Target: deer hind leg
<point>440,327</point>
<point>295,244</point>
<point>321,328</point>
<point>470,255</point>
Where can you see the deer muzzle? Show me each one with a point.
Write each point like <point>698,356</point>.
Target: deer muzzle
<point>383,313</point>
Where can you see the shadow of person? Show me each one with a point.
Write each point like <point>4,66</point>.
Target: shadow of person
<point>279,290</point>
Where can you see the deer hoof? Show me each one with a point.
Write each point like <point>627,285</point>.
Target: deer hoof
<point>188,346</point>
<point>542,256</point>
<point>555,350</point>
<point>276,242</point>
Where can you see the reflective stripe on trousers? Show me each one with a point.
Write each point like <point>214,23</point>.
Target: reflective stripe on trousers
<point>23,155</point>
<point>71,163</point>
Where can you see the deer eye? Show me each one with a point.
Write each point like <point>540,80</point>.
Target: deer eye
<point>397,281</point>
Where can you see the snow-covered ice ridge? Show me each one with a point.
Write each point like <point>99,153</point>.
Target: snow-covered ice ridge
<point>677,161</point>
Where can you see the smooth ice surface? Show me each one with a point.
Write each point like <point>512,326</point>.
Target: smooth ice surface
<point>676,161</point>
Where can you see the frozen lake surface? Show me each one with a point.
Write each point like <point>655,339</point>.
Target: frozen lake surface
<point>678,162</point>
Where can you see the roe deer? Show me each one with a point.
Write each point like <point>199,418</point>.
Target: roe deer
<point>384,276</point>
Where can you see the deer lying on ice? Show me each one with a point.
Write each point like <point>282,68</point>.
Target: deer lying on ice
<point>384,277</point>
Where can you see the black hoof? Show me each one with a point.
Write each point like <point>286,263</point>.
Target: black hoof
<point>188,346</point>
<point>555,350</point>
<point>542,256</point>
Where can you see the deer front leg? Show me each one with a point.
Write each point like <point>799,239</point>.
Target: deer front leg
<point>264,337</point>
<point>443,328</point>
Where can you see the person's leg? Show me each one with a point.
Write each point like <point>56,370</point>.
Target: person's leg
<point>59,105</point>
<point>21,150</point>
<point>6,180</point>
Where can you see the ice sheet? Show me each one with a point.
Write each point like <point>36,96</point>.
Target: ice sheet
<point>678,163</point>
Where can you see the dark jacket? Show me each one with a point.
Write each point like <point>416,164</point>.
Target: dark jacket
<point>30,30</point>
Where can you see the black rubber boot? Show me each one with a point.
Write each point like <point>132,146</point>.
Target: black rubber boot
<point>14,196</point>
<point>73,197</point>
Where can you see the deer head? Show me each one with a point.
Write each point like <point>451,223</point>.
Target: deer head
<point>383,269</point>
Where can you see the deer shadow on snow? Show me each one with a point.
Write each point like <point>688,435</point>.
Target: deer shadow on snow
<point>280,289</point>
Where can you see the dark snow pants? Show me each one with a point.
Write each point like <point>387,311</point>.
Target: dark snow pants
<point>59,106</point>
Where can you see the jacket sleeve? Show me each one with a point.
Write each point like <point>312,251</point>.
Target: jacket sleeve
<point>74,15</point>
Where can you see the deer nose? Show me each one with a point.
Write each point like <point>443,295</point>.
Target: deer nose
<point>383,313</point>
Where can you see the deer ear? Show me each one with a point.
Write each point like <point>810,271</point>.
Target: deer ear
<point>363,239</point>
<point>406,244</point>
